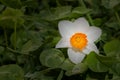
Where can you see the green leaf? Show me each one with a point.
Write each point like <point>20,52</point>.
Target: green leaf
<point>116,77</point>
<point>52,58</point>
<point>67,65</point>
<point>108,61</point>
<point>57,13</point>
<point>8,56</point>
<point>29,46</point>
<point>110,3</point>
<point>33,44</point>
<point>21,39</point>
<point>27,41</point>
<point>63,11</point>
<point>80,10</point>
<point>1,49</point>
<point>114,25</point>
<point>94,64</point>
<point>35,38</point>
<point>98,21</point>
<point>77,69</point>
<point>116,69</point>
<point>38,76</point>
<point>12,3</point>
<point>60,75</point>
<point>31,3</point>
<point>11,16</point>
<point>112,48</point>
<point>11,72</point>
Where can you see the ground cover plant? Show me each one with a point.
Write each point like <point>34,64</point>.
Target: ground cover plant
<point>30,35</point>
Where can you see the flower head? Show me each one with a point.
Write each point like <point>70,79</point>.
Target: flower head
<point>78,37</point>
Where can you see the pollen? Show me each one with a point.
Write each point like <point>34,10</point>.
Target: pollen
<point>79,41</point>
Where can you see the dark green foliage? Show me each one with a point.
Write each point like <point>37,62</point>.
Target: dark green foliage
<point>29,33</point>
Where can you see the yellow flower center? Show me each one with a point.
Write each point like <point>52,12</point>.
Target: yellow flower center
<point>78,41</point>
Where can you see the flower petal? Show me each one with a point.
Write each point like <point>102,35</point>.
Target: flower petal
<point>93,34</point>
<point>90,47</point>
<point>65,28</point>
<point>81,25</point>
<point>75,57</point>
<point>82,22</point>
<point>68,28</point>
<point>63,43</point>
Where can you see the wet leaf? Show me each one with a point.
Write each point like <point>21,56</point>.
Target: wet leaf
<point>94,64</point>
<point>11,72</point>
<point>52,58</point>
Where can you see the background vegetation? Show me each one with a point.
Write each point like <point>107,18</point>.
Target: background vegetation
<point>29,33</point>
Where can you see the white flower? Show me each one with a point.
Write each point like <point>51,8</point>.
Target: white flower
<point>78,37</point>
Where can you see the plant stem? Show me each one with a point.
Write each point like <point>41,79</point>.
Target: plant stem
<point>90,19</point>
<point>82,3</point>
<point>15,36</point>
<point>57,2</point>
<point>46,70</point>
<point>14,51</point>
<point>117,16</point>
<point>88,14</point>
<point>5,35</point>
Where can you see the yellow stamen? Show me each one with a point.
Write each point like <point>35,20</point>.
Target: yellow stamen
<point>78,41</point>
